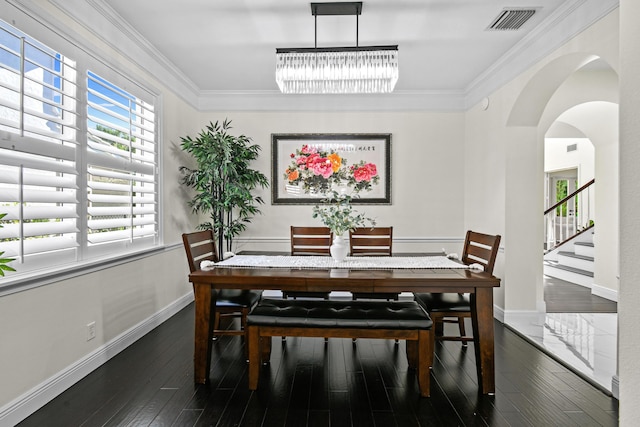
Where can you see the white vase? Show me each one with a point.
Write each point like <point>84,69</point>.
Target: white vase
<point>339,249</point>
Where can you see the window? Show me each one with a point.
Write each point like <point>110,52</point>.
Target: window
<point>69,194</point>
<point>121,163</point>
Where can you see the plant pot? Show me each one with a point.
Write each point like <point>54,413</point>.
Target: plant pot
<point>339,249</point>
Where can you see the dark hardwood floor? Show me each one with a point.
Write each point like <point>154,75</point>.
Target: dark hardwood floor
<point>309,383</point>
<point>564,297</point>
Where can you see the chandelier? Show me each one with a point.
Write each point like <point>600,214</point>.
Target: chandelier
<point>353,69</point>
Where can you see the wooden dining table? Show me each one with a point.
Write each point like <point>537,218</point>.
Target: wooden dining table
<point>477,283</point>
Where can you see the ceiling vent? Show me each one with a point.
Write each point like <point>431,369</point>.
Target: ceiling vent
<point>511,19</point>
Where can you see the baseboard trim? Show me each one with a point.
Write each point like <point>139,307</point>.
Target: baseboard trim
<point>26,404</point>
<point>498,313</point>
<point>615,386</point>
<point>607,293</point>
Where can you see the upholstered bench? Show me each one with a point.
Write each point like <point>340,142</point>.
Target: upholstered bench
<point>404,320</point>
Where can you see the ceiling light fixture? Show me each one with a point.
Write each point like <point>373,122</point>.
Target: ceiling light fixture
<point>353,69</point>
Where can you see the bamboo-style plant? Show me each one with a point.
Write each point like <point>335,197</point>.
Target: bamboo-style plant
<point>223,180</point>
<point>4,261</point>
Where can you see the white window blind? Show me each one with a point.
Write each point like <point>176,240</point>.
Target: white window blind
<point>38,152</point>
<point>121,172</point>
<point>71,196</point>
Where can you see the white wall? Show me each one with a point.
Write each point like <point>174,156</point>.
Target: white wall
<point>512,129</point>
<point>43,330</point>
<point>556,157</point>
<point>628,313</point>
<point>427,177</point>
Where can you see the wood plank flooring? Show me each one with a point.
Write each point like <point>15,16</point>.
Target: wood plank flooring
<point>564,297</point>
<point>310,383</point>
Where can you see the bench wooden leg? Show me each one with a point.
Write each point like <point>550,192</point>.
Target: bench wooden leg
<point>425,361</point>
<point>265,349</point>
<point>253,333</point>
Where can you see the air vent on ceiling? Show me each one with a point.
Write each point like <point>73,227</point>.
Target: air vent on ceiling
<point>572,147</point>
<point>511,19</point>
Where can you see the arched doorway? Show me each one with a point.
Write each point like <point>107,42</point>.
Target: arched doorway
<point>578,91</point>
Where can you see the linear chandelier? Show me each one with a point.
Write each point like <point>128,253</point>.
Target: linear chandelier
<point>353,69</point>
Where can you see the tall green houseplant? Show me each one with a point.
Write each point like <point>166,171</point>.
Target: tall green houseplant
<point>223,180</point>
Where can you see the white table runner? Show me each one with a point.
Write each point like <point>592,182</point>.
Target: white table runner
<point>325,262</point>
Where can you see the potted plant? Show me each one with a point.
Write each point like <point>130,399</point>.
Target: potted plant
<point>4,261</point>
<point>223,180</point>
<point>325,172</point>
<point>338,215</point>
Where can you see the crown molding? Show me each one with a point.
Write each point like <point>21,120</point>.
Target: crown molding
<point>127,41</point>
<point>573,17</point>
<point>566,22</point>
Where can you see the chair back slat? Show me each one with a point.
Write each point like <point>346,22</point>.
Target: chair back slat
<point>199,246</point>
<point>481,249</point>
<point>377,241</point>
<point>310,240</point>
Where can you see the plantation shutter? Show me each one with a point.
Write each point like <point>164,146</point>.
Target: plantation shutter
<point>121,166</point>
<point>38,152</point>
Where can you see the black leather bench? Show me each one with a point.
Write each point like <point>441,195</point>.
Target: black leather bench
<point>404,320</point>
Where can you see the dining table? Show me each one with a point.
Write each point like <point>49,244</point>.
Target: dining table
<point>382,274</point>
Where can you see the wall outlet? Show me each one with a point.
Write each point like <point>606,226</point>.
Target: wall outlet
<point>91,331</point>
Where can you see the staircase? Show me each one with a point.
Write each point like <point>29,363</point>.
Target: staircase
<point>573,261</point>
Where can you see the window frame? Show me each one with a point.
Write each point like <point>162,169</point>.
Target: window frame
<point>103,255</point>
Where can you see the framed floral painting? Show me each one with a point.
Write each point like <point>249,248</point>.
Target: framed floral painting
<point>307,167</point>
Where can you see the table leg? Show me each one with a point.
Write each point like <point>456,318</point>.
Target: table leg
<point>482,319</point>
<point>205,305</point>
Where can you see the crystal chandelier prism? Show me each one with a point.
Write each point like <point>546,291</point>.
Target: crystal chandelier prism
<point>342,70</point>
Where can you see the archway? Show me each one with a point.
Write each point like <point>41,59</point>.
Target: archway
<point>568,91</point>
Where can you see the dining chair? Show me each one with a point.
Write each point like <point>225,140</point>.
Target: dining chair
<point>453,307</point>
<point>309,241</point>
<point>200,246</point>
<point>372,241</point>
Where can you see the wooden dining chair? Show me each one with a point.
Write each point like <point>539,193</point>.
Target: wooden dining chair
<point>453,307</point>
<point>200,246</point>
<point>372,241</point>
<point>309,241</point>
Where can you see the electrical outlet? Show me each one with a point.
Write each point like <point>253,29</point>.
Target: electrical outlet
<point>91,331</point>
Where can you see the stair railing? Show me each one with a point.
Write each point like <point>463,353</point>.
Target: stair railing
<point>569,217</point>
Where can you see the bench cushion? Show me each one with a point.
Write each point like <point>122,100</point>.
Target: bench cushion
<point>340,314</point>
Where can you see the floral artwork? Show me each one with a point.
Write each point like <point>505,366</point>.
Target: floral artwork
<point>308,167</point>
<point>319,172</point>
<point>327,173</point>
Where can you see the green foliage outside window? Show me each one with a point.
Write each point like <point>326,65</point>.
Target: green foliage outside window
<point>4,261</point>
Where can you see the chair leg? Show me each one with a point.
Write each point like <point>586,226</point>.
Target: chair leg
<point>243,323</point>
<point>412,353</point>
<point>253,334</point>
<point>243,317</point>
<point>216,323</point>
<point>462,331</point>
<point>438,326</point>
<point>284,296</point>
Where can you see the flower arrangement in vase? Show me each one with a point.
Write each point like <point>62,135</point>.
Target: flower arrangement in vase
<point>326,173</point>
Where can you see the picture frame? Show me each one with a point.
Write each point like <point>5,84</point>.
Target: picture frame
<point>354,149</point>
